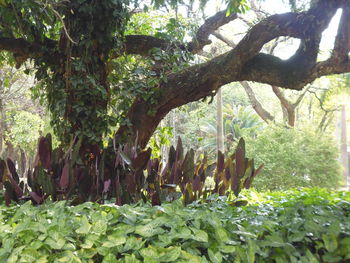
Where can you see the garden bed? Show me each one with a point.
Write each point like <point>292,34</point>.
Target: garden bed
<point>311,225</point>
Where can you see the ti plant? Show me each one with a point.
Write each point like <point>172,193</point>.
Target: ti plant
<point>181,171</point>
<point>125,174</point>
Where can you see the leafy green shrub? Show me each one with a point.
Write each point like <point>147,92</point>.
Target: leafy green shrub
<point>292,197</point>
<point>269,231</point>
<point>294,158</point>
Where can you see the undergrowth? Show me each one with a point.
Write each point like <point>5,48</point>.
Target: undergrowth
<point>311,225</point>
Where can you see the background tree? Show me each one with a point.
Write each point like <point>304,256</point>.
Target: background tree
<point>21,118</point>
<point>295,158</point>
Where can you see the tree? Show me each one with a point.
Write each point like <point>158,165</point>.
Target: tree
<point>73,45</point>
<point>21,118</point>
<point>294,158</point>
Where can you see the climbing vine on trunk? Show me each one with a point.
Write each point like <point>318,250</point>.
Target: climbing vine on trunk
<point>75,82</point>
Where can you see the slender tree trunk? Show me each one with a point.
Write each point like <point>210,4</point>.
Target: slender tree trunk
<point>310,109</point>
<point>174,124</point>
<point>264,114</point>
<point>288,109</point>
<point>2,128</point>
<point>344,158</point>
<point>323,121</point>
<point>329,121</point>
<point>291,117</point>
<point>284,114</point>
<point>219,123</point>
<point>23,162</point>
<point>1,112</point>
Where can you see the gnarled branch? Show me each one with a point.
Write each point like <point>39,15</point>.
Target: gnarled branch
<point>245,63</point>
<point>142,44</point>
<point>342,41</point>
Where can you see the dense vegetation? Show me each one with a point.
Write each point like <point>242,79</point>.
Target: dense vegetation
<point>94,93</point>
<point>115,80</point>
<point>295,158</point>
<point>310,225</point>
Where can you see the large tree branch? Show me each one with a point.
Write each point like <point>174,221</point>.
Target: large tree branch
<point>23,50</point>
<point>259,109</point>
<point>244,63</point>
<point>210,25</point>
<point>342,41</point>
<point>224,39</point>
<point>288,74</point>
<point>142,44</point>
<point>19,46</point>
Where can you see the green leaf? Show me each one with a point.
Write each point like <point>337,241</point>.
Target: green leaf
<point>131,259</point>
<point>29,255</point>
<point>311,258</point>
<point>114,241</point>
<point>188,257</point>
<point>110,258</point>
<point>331,258</point>
<point>84,227</point>
<point>251,251</point>
<point>133,243</point>
<point>330,241</point>
<point>297,237</point>
<point>158,254</point>
<point>148,230</point>
<point>221,234</point>
<point>55,244</point>
<point>214,257</point>
<point>99,227</point>
<point>226,249</point>
<point>87,253</point>
<point>199,235</point>
<point>67,256</point>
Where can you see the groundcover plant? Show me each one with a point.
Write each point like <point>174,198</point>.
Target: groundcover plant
<point>311,225</point>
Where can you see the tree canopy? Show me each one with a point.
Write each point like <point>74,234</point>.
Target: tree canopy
<point>79,48</point>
